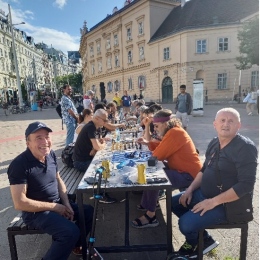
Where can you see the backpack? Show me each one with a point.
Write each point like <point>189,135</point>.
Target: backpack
<point>253,95</point>
<point>66,155</point>
<point>58,109</point>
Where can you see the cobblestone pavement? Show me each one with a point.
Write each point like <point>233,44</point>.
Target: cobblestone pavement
<point>109,229</point>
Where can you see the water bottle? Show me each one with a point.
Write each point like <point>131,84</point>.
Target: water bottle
<point>117,135</point>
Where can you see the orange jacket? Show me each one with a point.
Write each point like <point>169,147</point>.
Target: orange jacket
<point>178,150</point>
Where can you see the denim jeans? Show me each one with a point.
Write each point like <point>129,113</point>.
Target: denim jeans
<point>81,166</point>
<point>65,234</point>
<point>191,223</point>
<point>70,132</point>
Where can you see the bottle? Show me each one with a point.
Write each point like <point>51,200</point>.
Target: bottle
<point>118,137</point>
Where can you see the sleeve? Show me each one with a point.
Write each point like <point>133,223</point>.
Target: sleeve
<point>17,172</point>
<point>92,132</point>
<point>246,164</point>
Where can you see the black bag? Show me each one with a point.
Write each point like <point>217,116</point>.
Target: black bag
<point>58,109</point>
<point>241,210</point>
<point>66,155</point>
<point>238,211</point>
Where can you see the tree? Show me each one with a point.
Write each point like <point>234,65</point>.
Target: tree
<point>249,45</point>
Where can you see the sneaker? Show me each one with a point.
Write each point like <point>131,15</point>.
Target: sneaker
<point>162,194</point>
<point>106,199</point>
<point>209,244</point>
<point>187,250</point>
<point>250,114</point>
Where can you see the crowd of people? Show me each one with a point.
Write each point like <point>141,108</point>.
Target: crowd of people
<point>38,191</point>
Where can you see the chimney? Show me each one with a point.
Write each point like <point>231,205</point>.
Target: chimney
<point>183,3</point>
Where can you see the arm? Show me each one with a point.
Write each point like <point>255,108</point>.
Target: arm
<point>97,146</point>
<point>112,127</point>
<point>73,114</point>
<point>21,202</point>
<point>147,134</point>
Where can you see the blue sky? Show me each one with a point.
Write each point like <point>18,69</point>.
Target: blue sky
<point>58,22</point>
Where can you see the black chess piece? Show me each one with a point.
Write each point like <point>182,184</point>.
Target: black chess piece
<point>140,146</point>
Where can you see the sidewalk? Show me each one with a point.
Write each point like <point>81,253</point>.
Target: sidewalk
<point>110,224</point>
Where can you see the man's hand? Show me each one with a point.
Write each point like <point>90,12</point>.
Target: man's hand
<point>93,152</point>
<point>185,198</point>
<point>204,206</point>
<point>65,211</point>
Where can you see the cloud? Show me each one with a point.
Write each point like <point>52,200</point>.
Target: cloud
<point>60,3</point>
<point>58,39</point>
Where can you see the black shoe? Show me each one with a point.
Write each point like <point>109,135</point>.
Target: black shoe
<point>106,199</point>
<point>209,244</point>
<point>187,250</point>
<point>162,194</point>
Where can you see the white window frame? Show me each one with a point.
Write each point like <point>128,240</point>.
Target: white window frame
<point>129,33</point>
<point>201,46</point>
<point>130,56</point>
<point>255,79</point>
<point>222,81</point>
<point>141,28</point>
<point>166,53</point>
<point>221,44</point>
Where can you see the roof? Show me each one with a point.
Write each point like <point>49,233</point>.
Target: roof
<point>203,13</point>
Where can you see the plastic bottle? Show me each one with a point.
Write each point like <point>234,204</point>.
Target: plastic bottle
<point>118,137</point>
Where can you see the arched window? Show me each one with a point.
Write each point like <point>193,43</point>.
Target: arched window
<point>130,57</point>
<point>141,82</point>
<point>117,86</point>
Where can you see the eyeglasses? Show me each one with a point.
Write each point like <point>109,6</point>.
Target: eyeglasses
<point>104,120</point>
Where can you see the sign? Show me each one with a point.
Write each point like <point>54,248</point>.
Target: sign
<point>198,98</point>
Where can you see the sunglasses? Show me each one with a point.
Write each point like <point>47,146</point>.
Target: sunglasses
<point>104,120</point>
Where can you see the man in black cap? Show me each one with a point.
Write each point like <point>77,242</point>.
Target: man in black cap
<point>39,192</point>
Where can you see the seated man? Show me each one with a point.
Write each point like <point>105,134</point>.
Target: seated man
<point>178,149</point>
<point>202,204</point>
<point>39,192</point>
<point>88,143</point>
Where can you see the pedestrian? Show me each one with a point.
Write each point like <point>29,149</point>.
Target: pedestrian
<point>87,101</point>
<point>40,104</point>
<point>39,192</point>
<point>234,158</point>
<point>126,102</point>
<point>69,113</point>
<point>183,106</point>
<point>5,107</point>
<point>250,100</point>
<point>117,100</point>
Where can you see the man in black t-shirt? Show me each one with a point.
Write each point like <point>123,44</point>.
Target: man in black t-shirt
<point>39,192</point>
<point>87,143</point>
<point>234,158</point>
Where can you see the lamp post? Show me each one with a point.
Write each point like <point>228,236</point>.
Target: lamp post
<point>15,61</point>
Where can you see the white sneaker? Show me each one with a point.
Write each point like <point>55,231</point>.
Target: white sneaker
<point>250,114</point>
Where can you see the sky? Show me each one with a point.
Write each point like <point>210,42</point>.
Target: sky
<point>58,22</point>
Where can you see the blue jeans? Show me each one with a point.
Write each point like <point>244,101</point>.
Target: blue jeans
<point>81,166</point>
<point>70,132</point>
<point>191,223</point>
<point>65,234</point>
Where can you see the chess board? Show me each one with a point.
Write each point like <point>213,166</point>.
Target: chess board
<point>140,156</point>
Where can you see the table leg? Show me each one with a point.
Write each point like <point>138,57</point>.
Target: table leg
<point>82,224</point>
<point>169,219</point>
<point>126,219</point>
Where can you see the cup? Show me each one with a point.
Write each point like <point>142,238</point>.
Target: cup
<point>106,172</point>
<point>141,179</point>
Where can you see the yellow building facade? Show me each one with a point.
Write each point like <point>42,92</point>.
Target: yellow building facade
<point>154,46</point>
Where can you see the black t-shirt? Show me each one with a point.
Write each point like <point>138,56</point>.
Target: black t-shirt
<point>83,144</point>
<point>40,177</point>
<point>237,165</point>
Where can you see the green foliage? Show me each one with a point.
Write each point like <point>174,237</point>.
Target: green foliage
<point>24,92</point>
<point>249,45</point>
<point>75,80</point>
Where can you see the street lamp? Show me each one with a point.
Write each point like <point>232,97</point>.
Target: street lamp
<point>15,61</point>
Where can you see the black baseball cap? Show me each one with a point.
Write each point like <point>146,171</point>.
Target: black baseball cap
<point>35,126</point>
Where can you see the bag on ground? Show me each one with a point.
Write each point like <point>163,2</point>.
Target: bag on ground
<point>66,155</point>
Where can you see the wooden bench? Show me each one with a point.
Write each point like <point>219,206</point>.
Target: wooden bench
<point>71,178</point>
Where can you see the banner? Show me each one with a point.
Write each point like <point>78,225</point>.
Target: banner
<point>197,98</point>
